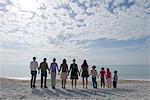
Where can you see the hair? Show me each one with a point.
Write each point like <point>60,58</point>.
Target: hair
<point>34,58</point>
<point>64,61</point>
<point>74,60</point>
<point>115,71</point>
<point>54,59</point>
<point>102,68</point>
<point>84,62</point>
<point>108,69</point>
<point>94,67</point>
<point>44,59</point>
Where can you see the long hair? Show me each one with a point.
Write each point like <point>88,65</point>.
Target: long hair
<point>64,61</point>
<point>84,62</point>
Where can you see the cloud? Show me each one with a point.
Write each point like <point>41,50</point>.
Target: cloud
<point>72,27</point>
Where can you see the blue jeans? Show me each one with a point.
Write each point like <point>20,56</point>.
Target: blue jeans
<point>33,78</point>
<point>94,82</point>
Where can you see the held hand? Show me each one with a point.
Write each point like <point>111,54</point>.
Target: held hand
<point>38,72</point>
<point>58,73</point>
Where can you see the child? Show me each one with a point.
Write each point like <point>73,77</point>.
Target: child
<point>94,74</point>
<point>108,78</point>
<point>115,79</point>
<point>102,75</point>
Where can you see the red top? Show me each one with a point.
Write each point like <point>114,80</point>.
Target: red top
<point>102,73</point>
<point>108,75</point>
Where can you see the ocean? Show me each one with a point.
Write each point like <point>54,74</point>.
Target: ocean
<point>126,72</point>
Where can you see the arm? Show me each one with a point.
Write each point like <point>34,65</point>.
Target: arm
<point>81,69</point>
<point>78,70</point>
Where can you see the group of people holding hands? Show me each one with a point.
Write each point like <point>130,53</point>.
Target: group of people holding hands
<point>64,71</point>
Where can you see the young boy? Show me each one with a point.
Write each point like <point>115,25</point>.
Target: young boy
<point>115,79</point>
<point>94,75</point>
<point>102,75</point>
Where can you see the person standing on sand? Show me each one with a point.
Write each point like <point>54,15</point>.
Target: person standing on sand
<point>52,69</point>
<point>44,68</point>
<point>33,68</point>
<point>85,72</point>
<point>64,70</point>
<point>115,79</point>
<point>94,75</point>
<point>74,72</point>
<point>108,78</point>
<point>102,75</point>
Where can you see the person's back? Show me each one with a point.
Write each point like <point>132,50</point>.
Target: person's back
<point>64,67</point>
<point>33,65</point>
<point>43,66</point>
<point>94,72</point>
<point>108,75</point>
<point>102,73</point>
<point>115,79</point>
<point>53,67</point>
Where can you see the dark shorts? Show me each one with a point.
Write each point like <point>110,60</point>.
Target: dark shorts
<point>33,73</point>
<point>44,74</point>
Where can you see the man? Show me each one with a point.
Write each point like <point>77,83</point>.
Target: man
<point>44,68</point>
<point>33,68</point>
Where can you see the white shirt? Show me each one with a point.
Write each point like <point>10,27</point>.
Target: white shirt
<point>33,65</point>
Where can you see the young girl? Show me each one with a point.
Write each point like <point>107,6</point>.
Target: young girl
<point>64,70</point>
<point>94,75</point>
<point>102,75</point>
<point>108,78</point>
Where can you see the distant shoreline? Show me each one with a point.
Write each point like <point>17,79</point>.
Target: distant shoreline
<point>120,80</point>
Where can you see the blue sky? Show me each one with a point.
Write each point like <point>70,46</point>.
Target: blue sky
<point>101,31</point>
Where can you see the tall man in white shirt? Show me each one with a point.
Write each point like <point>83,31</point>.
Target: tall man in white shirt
<point>33,68</point>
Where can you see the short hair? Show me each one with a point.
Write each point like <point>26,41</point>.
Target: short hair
<point>74,60</point>
<point>44,59</point>
<point>34,58</point>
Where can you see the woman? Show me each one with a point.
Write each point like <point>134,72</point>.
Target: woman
<point>64,70</point>
<point>85,72</point>
<point>74,72</point>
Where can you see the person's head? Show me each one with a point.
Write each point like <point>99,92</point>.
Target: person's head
<point>115,72</point>
<point>64,61</point>
<point>84,62</point>
<point>102,68</point>
<point>107,69</point>
<point>74,60</point>
<point>94,67</point>
<point>54,59</point>
<point>44,59</point>
<point>34,58</point>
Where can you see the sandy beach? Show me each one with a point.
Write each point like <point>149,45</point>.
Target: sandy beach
<point>12,89</point>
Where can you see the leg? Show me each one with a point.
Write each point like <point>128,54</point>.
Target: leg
<point>34,79</point>
<point>41,81</point>
<point>86,82</point>
<point>101,83</point>
<point>62,83</point>
<point>75,82</point>
<point>31,80</point>
<point>83,81</point>
<point>93,82</point>
<point>45,78</point>
<point>72,82</point>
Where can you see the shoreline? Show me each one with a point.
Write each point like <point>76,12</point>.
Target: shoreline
<point>28,79</point>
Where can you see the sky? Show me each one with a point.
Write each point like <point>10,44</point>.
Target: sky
<point>100,31</point>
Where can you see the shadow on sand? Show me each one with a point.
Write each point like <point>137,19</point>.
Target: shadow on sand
<point>81,92</point>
